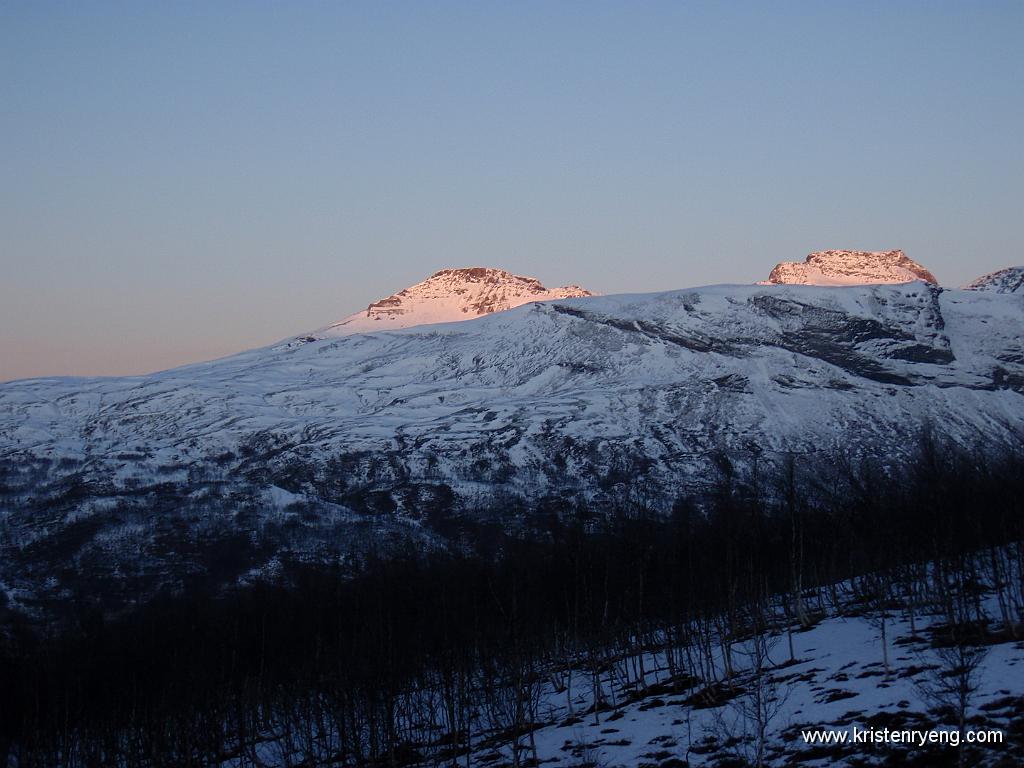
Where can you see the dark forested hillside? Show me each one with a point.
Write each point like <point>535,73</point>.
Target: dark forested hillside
<point>409,656</point>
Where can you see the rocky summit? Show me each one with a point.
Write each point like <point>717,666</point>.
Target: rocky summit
<point>452,295</point>
<point>850,268</point>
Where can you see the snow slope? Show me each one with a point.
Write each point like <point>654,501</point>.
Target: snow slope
<point>838,682</point>
<point>850,268</point>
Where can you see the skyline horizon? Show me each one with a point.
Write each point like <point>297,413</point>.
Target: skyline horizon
<point>546,284</point>
<point>186,181</point>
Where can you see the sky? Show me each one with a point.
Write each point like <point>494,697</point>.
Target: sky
<point>180,181</point>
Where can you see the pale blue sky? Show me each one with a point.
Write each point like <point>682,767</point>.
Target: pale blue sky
<point>180,181</point>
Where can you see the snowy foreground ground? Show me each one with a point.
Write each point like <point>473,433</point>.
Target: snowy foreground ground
<point>838,681</point>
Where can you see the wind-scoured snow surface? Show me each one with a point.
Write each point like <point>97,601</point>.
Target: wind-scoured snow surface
<point>1009,280</point>
<point>850,268</point>
<point>449,296</point>
<point>575,385</point>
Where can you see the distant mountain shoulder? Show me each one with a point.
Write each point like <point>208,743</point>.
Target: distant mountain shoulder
<point>1009,280</point>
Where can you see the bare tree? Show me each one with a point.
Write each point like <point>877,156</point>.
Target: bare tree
<point>747,719</point>
<point>951,684</point>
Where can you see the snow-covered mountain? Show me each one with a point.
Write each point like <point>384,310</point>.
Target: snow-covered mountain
<point>850,268</point>
<point>579,383</point>
<point>449,296</point>
<point>298,446</point>
<point>1009,280</point>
